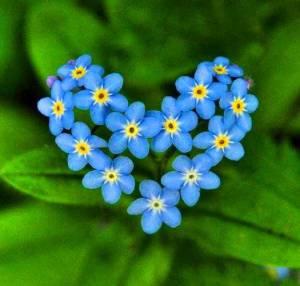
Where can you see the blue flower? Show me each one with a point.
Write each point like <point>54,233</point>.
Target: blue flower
<point>190,176</point>
<point>174,127</point>
<point>199,92</point>
<point>101,96</point>
<point>221,140</point>
<point>131,130</point>
<point>82,148</point>
<point>278,273</point>
<point>157,206</point>
<point>59,109</point>
<point>238,104</point>
<point>74,72</point>
<point>223,70</point>
<point>113,178</point>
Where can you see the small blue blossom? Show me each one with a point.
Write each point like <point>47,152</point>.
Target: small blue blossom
<point>74,72</point>
<point>131,130</point>
<point>156,207</point>
<point>199,92</point>
<point>223,70</point>
<point>113,178</point>
<point>82,148</point>
<point>175,126</point>
<point>238,104</point>
<point>278,273</point>
<point>101,96</point>
<point>59,109</point>
<point>190,176</point>
<point>221,140</point>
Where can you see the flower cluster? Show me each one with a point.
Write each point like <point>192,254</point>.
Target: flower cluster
<point>217,85</point>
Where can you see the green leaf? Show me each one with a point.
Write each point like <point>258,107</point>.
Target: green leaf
<point>151,267</point>
<point>19,131</point>
<point>277,77</point>
<point>77,32</point>
<point>255,214</point>
<point>42,245</point>
<point>43,173</point>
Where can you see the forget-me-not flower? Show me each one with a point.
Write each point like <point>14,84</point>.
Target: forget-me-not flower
<point>238,104</point>
<point>59,109</point>
<point>190,176</point>
<point>113,178</point>
<point>223,70</point>
<point>74,72</point>
<point>175,126</point>
<point>221,140</point>
<point>101,95</point>
<point>82,147</point>
<point>131,130</point>
<point>199,92</point>
<point>157,206</point>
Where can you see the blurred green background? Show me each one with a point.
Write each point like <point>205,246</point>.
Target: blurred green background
<point>54,232</point>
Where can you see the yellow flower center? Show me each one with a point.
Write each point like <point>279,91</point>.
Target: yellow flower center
<point>131,130</point>
<point>171,125</point>
<point>222,141</point>
<point>78,72</point>
<point>219,69</point>
<point>200,91</point>
<point>82,148</point>
<point>111,176</point>
<point>191,176</point>
<point>238,106</point>
<point>58,108</point>
<point>156,204</point>
<point>101,96</point>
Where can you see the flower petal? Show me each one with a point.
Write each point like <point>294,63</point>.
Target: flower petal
<point>170,197</point>
<point>76,162</point>
<point>96,69</point>
<point>135,111</point>
<point>235,71</point>
<point>239,87</point>
<point>111,193</point>
<point>115,121</point>
<point>137,207</point>
<point>221,61</point>
<point>57,91</point>
<point>156,114</point>
<point>68,119</point>
<point>92,81</point>
<point>171,217</point>
<point>172,180</point>
<point>202,162</point>
<point>68,83</point>
<point>209,181</point>
<point>235,151</point>
<point>206,108</point>
<point>225,100</point>
<point>190,194</point>
<point>244,122</point>
<point>97,142</point>
<point>93,179</point>
<point>151,222</point>
<point>188,121</point>
<point>65,70</point>
<point>224,78</point>
<point>216,125</point>
<point>55,125</point>
<point>185,84</point>
<point>98,160</point>
<point>252,103</point>
<point>182,163</point>
<point>127,184</point>
<point>117,143</point>
<point>123,164</point>
<point>84,60</point>
<point>186,102</point>
<point>80,131</point>
<point>183,142</point>
<point>45,106</point>
<point>149,189</point>
<point>83,99</point>
<point>216,155</point>
<point>113,82</point>
<point>65,142</point>
<point>169,106</point>
<point>139,147</point>
<point>217,90</point>
<point>236,134</point>
<point>150,127</point>
<point>203,75</point>
<point>161,142</point>
<point>118,103</point>
<point>203,140</point>
<point>99,113</point>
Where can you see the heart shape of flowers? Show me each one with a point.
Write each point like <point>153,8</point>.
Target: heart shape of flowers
<point>81,85</point>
